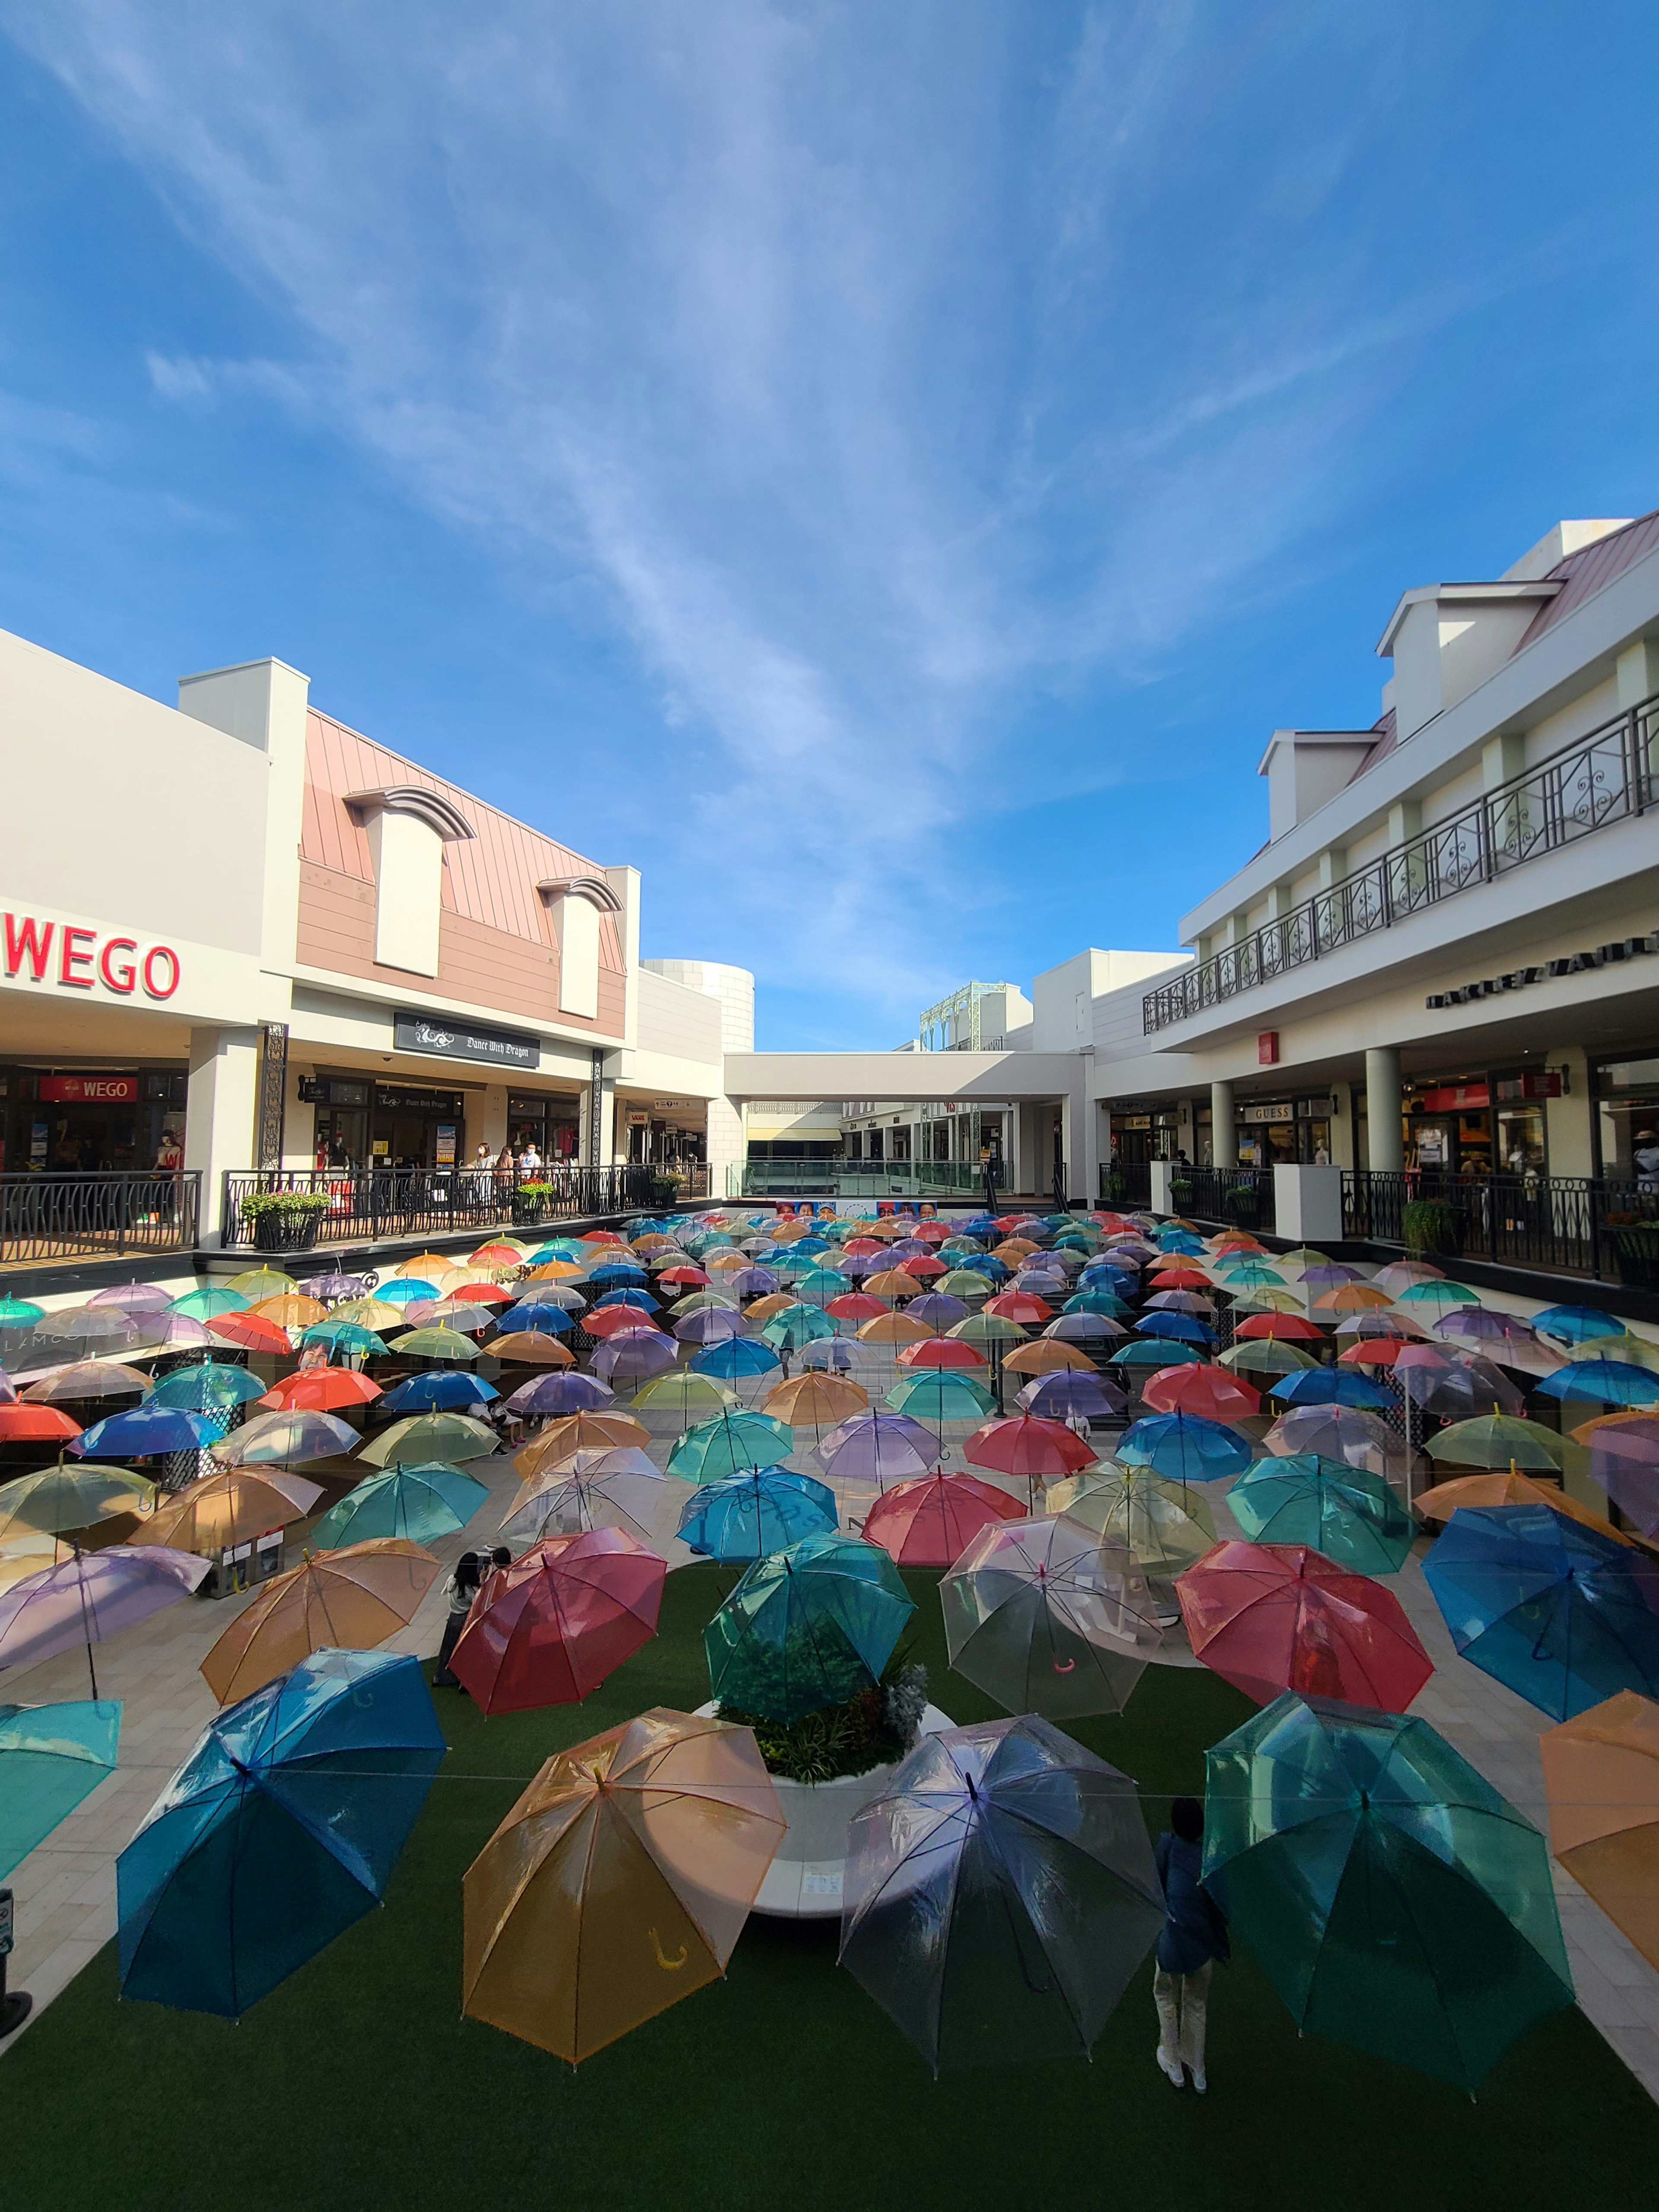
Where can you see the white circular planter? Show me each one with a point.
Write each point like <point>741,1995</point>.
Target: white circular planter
<point>804,1879</point>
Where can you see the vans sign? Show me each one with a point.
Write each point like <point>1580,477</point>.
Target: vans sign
<point>60,956</point>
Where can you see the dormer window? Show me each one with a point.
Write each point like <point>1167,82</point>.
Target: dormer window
<point>575,903</point>
<point>408,828</point>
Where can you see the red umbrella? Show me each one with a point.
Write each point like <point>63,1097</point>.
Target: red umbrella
<point>934,1231</point>
<point>1284,1328</point>
<point>1269,1618</point>
<point>550,1627</point>
<point>942,1352</point>
<point>931,1523</point>
<point>320,1390</point>
<point>609,1321</point>
<point>22,1424</point>
<point>481,1294</point>
<point>694,1276</point>
<point>1372,1351</point>
<point>1019,1305</point>
<point>862,1244</point>
<point>250,1330</point>
<point>1026,1444</point>
<point>855,1305</point>
<point>1180,1278</point>
<point>1210,1392</point>
<point>924,1263</point>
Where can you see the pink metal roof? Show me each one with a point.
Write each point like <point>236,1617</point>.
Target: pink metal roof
<point>1592,568</point>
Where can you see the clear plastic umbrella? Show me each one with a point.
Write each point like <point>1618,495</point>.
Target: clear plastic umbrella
<point>1038,1617</point>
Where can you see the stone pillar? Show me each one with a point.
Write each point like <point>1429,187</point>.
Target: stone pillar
<point>224,1069</point>
<point>1308,1205</point>
<point>1383,1141</point>
<point>1223,1141</point>
<point>1163,1198</point>
<point>725,1147</point>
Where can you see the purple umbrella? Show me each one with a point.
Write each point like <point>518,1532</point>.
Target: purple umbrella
<point>711,1325</point>
<point>566,1392</point>
<point>827,1351</point>
<point>750,1282</point>
<point>908,1248</point>
<point>1187,1302</point>
<point>1328,1274</point>
<point>860,1264</point>
<point>183,1332</point>
<point>634,1353</point>
<point>1085,1329</point>
<point>132,1297</point>
<point>879,1448</point>
<point>1479,1322</point>
<point>1069,1390</point>
<point>329,1288</point>
<point>90,1598</point>
<point>939,1310</point>
<point>1464,1386</point>
<point>1625,1460</point>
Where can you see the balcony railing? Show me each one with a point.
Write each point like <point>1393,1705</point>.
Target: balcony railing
<point>365,1205</point>
<point>843,1178</point>
<point>1242,1197</point>
<point>72,1216</point>
<point>1576,1224</point>
<point>1126,1184</point>
<point>1608,776</point>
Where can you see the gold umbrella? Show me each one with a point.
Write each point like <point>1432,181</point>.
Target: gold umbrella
<point>894,1328</point>
<point>816,1400</point>
<point>425,1267</point>
<point>443,1435</point>
<point>1165,1527</point>
<point>232,1508</point>
<point>619,1882</point>
<point>530,1347</point>
<point>1602,1778</point>
<point>575,1432</point>
<point>291,1309</point>
<point>354,1598</point>
<point>1048,1355</point>
<point>1511,1487</point>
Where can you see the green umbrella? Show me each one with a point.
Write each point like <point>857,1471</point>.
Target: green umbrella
<point>1395,1901</point>
<point>1264,1355</point>
<point>257,1282</point>
<point>1499,1440</point>
<point>204,1306</point>
<point>1157,1351</point>
<point>1348,1513</point>
<point>68,1496</point>
<point>730,1444</point>
<point>210,1387</point>
<point>343,1336</point>
<point>20,1313</point>
<point>434,1344</point>
<point>701,1301</point>
<point>426,1437</point>
<point>795,1326</point>
<point>940,1393</point>
<point>1436,1298</point>
<point>421,1503</point>
<point>964,1282</point>
<point>989,1328</point>
<point>685,1393</point>
<point>50,1758</point>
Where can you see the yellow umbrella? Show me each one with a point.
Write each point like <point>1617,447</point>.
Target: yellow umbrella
<point>619,1882</point>
<point>231,1508</point>
<point>422,1436</point>
<point>1047,1355</point>
<point>1601,1779</point>
<point>576,1432</point>
<point>256,1282</point>
<point>426,1266</point>
<point>816,1400</point>
<point>354,1598</point>
<point>290,1309</point>
<point>370,1313</point>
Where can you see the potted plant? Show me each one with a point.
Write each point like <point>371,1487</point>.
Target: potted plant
<point>1430,1225</point>
<point>1115,1185</point>
<point>1635,1241</point>
<point>532,1202</point>
<point>666,1185</point>
<point>284,1220</point>
<point>1243,1201</point>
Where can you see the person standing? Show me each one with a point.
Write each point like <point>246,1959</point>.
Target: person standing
<point>464,1585</point>
<point>1194,1936</point>
<point>1646,1157</point>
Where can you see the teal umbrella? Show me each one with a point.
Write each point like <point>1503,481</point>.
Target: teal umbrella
<point>808,1626</point>
<point>421,1503</point>
<point>210,1388</point>
<point>795,1326</point>
<point>821,1285</point>
<point>1393,1899</point>
<point>730,1444</point>
<point>1601,1383</point>
<point>20,1313</point>
<point>50,1758</point>
<point>1155,1351</point>
<point>1348,1513</point>
<point>345,1337</point>
<point>205,1305</point>
<point>940,1393</point>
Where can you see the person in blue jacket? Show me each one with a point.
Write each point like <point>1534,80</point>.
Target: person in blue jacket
<point>1194,1936</point>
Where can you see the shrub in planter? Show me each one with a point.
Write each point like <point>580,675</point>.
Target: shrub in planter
<point>1430,1225</point>
<point>1244,1198</point>
<point>875,1727</point>
<point>1635,1241</point>
<point>1181,1192</point>
<point>1115,1185</point>
<point>530,1201</point>
<point>284,1220</point>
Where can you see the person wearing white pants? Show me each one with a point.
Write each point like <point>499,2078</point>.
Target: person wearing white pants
<point>1194,1937</point>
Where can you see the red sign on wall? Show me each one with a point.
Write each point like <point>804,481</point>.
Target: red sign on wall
<point>1267,1048</point>
<point>78,959</point>
<point>90,1089</point>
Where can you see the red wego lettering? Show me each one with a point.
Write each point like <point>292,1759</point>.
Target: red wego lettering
<point>99,1090</point>
<point>28,947</point>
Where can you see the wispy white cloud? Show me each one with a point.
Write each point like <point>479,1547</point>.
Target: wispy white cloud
<point>837,348</point>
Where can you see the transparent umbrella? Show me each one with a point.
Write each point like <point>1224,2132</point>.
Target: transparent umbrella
<point>1037,1617</point>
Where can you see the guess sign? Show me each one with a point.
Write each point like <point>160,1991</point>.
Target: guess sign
<point>81,959</point>
<point>99,1090</point>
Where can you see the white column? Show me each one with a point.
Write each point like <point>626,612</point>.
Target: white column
<point>726,1146</point>
<point>1223,1142</point>
<point>224,1066</point>
<point>1383,1142</point>
<point>1163,1198</point>
<point>1308,1204</point>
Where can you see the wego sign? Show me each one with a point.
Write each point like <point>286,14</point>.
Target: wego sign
<point>76,959</point>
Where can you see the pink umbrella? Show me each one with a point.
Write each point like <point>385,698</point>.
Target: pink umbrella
<point>132,1297</point>
<point>91,1597</point>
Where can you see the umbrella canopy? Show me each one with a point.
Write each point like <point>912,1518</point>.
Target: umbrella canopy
<point>686,1395</point>
<point>548,1629</point>
<point>251,1333</point>
<point>880,1448</point>
<point>420,1503</point>
<point>1185,1447</point>
<point>1254,1356</point>
<point>1209,1391</point>
<point>619,1882</point>
<point>1058,1397</point>
<point>90,1597</point>
<point>1273,1617</point>
<point>635,1356</point>
<point>50,1758</point>
<point>281,1439</point>
<point>1396,1901</point>
<point>806,1627</point>
<point>558,1393</point>
<point>1601,1779</point>
<point>1494,1440</point>
<point>352,1598</point>
<point>1028,1446</point>
<point>1576,1324</point>
<point>1049,1356</point>
<point>1509,1488</point>
<point>930,1521</point>
<point>744,1516</point>
<point>531,1347</point>
<point>85,1382</point>
<point>730,1444</point>
<point>281,1828</point>
<point>1623,1459</point>
<point>289,1311</point>
<point>1163,1527</point>
<point>939,1395</point>
<point>1602,1382</point>
<point>256,1282</point>
<point>145,1432</point>
<point>210,1386</point>
<point>439,1343</point>
<point>55,1499</point>
<point>815,1401</point>
<point>231,1507</point>
<point>535,1316</point>
<point>998,1895</point>
<point>1036,1618</point>
<point>1562,1616</point>
<point>574,1433</point>
<point>424,1393</point>
<point>1282,1327</point>
<point>617,1489</point>
<point>740,1359</point>
<point>1329,1386</point>
<point>1347,1513</point>
<point>426,1437</point>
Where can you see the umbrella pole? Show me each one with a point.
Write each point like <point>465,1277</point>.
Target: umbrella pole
<point>80,1576</point>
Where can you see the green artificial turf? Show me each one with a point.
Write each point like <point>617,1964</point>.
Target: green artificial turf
<point>358,2084</point>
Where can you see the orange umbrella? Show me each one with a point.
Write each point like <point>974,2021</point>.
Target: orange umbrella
<point>425,1265</point>
<point>1014,1248</point>
<point>290,1309</point>
<point>1046,1357</point>
<point>320,1390</point>
<point>816,1400</point>
<point>1352,1297</point>
<point>892,1282</point>
<point>23,1423</point>
<point>1601,1779</point>
<point>251,1331</point>
<point>1586,1431</point>
<point>893,1328</point>
<point>619,1882</point>
<point>229,1508</point>
<point>774,1302</point>
<point>531,1347</point>
<point>1209,1391</point>
<point>576,1432</point>
<point>354,1598</point>
<point>554,1271</point>
<point>1509,1487</point>
<point>720,1262</point>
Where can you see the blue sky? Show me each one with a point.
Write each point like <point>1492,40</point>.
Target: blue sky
<point>882,470</point>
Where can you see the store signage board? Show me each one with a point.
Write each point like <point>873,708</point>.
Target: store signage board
<point>74,957</point>
<point>463,1041</point>
<point>88,1089</point>
<point>1285,1112</point>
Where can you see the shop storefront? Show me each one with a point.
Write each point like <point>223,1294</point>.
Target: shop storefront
<point>1627,1095</point>
<point>1284,1131</point>
<point>387,1125</point>
<point>1150,1133</point>
<point>1481,1126</point>
<point>92,1121</point>
<point>549,1120</point>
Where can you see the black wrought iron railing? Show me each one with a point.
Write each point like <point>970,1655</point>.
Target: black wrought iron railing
<point>844,1178</point>
<point>1579,1225</point>
<point>1241,1196</point>
<point>1125,1182</point>
<point>67,1217</point>
<point>1608,776</point>
<point>330,1205</point>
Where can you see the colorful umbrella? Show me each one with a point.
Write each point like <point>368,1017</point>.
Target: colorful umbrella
<point>441,1344</point>
<point>1601,1779</point>
<point>1208,1392</point>
<point>1396,1901</point>
<point>426,1437</point>
<point>1602,1382</point>
<point>210,1387</point>
<point>880,1448</point>
<point>282,1827</point>
<point>89,1598</point>
<point>1036,1618</point>
<point>86,1382</point>
<point>616,1489</point>
<point>421,1503</point>
<point>1329,1386</point>
<point>439,1389</point>
<point>1509,1488</point>
<point>1060,1397</point>
<point>1163,1527</point>
<point>352,1598</point>
<point>1184,1448</point>
<point>730,1444</point>
<point>574,1433</point>
<point>1496,1440</point>
<point>1624,1460</point>
<point>54,1500</point>
<point>229,1508</point>
<point>806,1627</point>
<point>51,1757</point>
<point>531,1347</point>
<point>686,1395</point>
<point>281,1439</point>
<point>1272,1617</point>
<point>1576,1324</point>
<point>1347,1513</point>
<point>548,1629</point>
<point>146,1432</point>
<point>929,1522</point>
<point>744,1516</point>
<point>1027,1446</point>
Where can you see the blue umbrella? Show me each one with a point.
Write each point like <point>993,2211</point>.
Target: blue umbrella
<point>145,1431</point>
<point>50,1758</point>
<point>421,1503</point>
<point>1069,1390</point>
<point>405,1291</point>
<point>641,1300</point>
<point>939,1310</point>
<point>806,1627</point>
<point>1180,1328</point>
<point>1559,1614</point>
<point>210,1387</point>
<point>1185,1447</point>
<point>747,1516</point>
<point>281,1828</point>
<point>532,1313</point>
<point>565,1392</point>
<point>1601,1383</point>
<point>1576,1324</point>
<point>738,1360</point>
<point>1331,1386</point>
<point>618,1275</point>
<point>424,1393</point>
